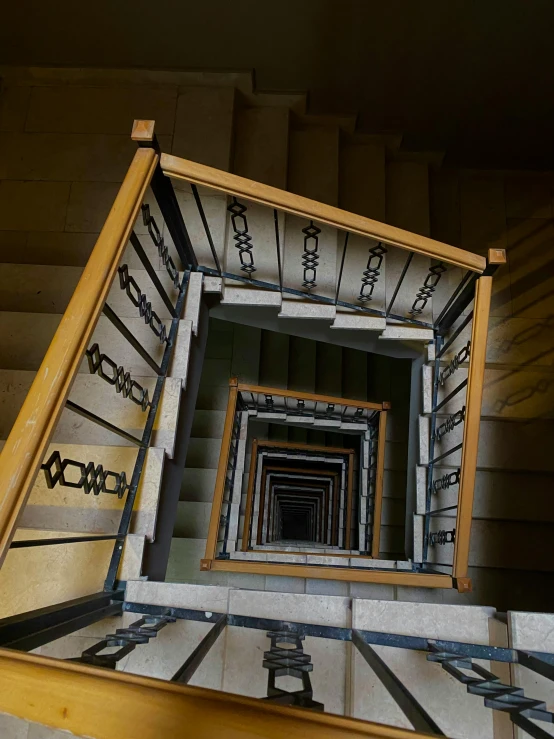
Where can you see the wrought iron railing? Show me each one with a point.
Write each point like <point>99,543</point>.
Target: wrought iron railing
<point>64,693</point>
<point>29,450</point>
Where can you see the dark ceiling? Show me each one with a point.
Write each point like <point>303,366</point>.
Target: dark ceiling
<point>472,77</point>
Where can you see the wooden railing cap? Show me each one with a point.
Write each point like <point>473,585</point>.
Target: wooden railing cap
<point>143,131</point>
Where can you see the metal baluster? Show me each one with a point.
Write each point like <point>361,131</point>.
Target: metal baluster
<point>118,378</point>
<point>371,272</point>
<point>206,226</point>
<point>310,257</point>
<point>427,289</point>
<point>242,237</point>
<point>93,478</point>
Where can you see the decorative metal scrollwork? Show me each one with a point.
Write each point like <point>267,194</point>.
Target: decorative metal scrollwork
<point>269,402</point>
<point>92,478</point>
<point>151,318</point>
<point>371,272</point>
<point>242,237</point>
<point>300,404</point>
<point>158,241</point>
<point>117,377</point>
<point>446,481</point>
<point>450,423</point>
<point>139,632</point>
<point>442,537</point>
<point>461,357</point>
<point>427,289</point>
<point>281,661</point>
<point>310,257</point>
<point>523,711</point>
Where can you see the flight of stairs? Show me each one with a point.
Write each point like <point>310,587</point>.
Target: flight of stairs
<point>282,361</point>
<point>59,179</point>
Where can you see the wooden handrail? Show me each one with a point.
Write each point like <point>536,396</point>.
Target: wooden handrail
<point>28,441</point>
<point>273,197</point>
<point>219,490</point>
<point>379,479</point>
<point>348,526</point>
<point>281,393</point>
<point>108,704</point>
<point>470,440</point>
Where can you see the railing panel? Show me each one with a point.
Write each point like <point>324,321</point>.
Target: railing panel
<point>27,443</point>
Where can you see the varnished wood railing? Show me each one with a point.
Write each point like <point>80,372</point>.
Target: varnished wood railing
<point>32,431</point>
<point>379,480</point>
<point>273,197</point>
<point>109,704</point>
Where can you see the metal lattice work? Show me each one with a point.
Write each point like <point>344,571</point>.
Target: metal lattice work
<point>117,377</point>
<point>93,478</point>
<point>446,481</point>
<point>442,537</point>
<point>310,257</point>
<point>151,318</point>
<point>242,237</point>
<point>427,289</point>
<point>497,695</point>
<point>450,424</point>
<point>283,661</point>
<point>158,241</point>
<point>371,272</point>
<point>140,632</point>
<point>461,357</point>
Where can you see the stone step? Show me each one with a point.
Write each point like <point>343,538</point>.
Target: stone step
<point>510,393</point>
<point>25,337</point>
<point>362,191</point>
<point>96,395</point>
<point>208,424</point>
<point>36,288</point>
<point>203,453</point>
<point>71,510</point>
<point>503,444</point>
<point>192,520</point>
<point>499,494</point>
<point>313,173</point>
<point>198,485</point>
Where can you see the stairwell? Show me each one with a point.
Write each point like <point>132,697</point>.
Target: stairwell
<point>61,165</point>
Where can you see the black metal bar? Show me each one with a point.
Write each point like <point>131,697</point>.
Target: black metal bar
<point>410,707</point>
<point>171,212</point>
<point>32,629</point>
<point>450,396</point>
<point>454,295</point>
<point>450,451</point>
<point>346,235</point>
<point>122,328</point>
<point>137,246</point>
<point>543,665</point>
<point>458,306</point>
<point>438,341</point>
<point>317,298</point>
<point>68,540</point>
<point>399,641</point>
<point>441,510</point>
<point>206,226</point>
<point>187,670</point>
<point>125,521</point>
<point>399,283</point>
<point>455,335</point>
<point>101,422</point>
<point>278,245</point>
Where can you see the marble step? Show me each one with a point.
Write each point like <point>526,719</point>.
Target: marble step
<point>71,510</point>
<point>503,444</point>
<point>192,520</point>
<point>41,288</point>
<point>25,337</point>
<point>508,393</point>
<point>198,484</point>
<point>93,393</point>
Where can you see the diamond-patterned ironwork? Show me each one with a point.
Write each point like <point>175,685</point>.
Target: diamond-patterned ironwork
<point>284,661</point>
<point>138,298</point>
<point>242,237</point>
<point>117,377</point>
<point>442,537</point>
<point>461,357</point>
<point>446,481</point>
<point>450,423</point>
<point>310,257</point>
<point>371,272</point>
<point>158,241</point>
<point>93,478</point>
<point>139,632</point>
<point>427,289</point>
